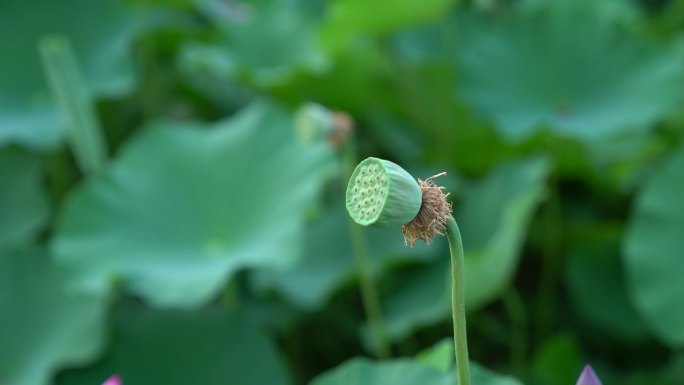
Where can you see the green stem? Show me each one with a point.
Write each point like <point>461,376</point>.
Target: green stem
<point>83,128</point>
<point>552,219</point>
<point>367,287</point>
<point>515,307</point>
<point>458,302</point>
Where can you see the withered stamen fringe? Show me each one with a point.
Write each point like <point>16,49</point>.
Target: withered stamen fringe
<point>435,212</point>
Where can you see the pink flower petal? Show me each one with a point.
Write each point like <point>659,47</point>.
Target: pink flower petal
<point>113,380</point>
<point>588,377</point>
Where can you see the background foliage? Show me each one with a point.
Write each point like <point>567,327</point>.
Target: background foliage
<point>213,247</point>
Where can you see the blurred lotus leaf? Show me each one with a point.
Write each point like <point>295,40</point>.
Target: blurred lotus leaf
<point>653,251</point>
<point>23,202</point>
<point>361,371</point>
<point>101,33</point>
<point>596,286</point>
<point>570,69</point>
<point>349,19</point>
<point>266,40</point>
<point>44,324</point>
<point>328,259</point>
<point>493,217</point>
<point>611,10</point>
<point>185,206</point>
<point>179,347</point>
<point>441,357</point>
<point>557,361</point>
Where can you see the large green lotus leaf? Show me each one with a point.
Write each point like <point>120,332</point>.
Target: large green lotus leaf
<point>44,325</point>
<point>23,203</point>
<point>185,206</point>
<point>328,258</point>
<point>349,83</point>
<point>494,221</point>
<point>361,371</point>
<point>612,10</point>
<point>623,161</point>
<point>208,347</point>
<point>571,70</point>
<point>493,218</point>
<point>424,73</point>
<point>266,40</point>
<point>346,84</point>
<point>441,357</point>
<point>101,33</point>
<point>349,19</point>
<point>209,69</point>
<point>597,289</point>
<point>653,248</point>
<point>481,375</point>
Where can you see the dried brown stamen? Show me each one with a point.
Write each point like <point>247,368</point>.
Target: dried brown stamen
<point>343,125</point>
<point>434,213</point>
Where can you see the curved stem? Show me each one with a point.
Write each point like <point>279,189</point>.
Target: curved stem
<point>369,293</point>
<point>458,302</point>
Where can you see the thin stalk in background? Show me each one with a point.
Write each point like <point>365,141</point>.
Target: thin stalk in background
<point>458,302</point>
<point>83,130</point>
<point>367,286</point>
<point>552,219</point>
<point>517,313</point>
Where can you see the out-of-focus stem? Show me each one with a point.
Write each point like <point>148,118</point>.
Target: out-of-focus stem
<point>552,218</point>
<point>83,132</point>
<point>458,302</point>
<point>519,336</point>
<point>367,287</point>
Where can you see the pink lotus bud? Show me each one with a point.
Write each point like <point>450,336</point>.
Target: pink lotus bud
<point>588,377</point>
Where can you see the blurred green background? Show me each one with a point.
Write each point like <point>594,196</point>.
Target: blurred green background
<point>171,204</point>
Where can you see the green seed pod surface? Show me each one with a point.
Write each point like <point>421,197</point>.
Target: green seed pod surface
<point>381,193</point>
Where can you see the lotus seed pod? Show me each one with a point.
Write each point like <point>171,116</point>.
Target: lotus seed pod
<point>380,193</point>
<point>313,122</point>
